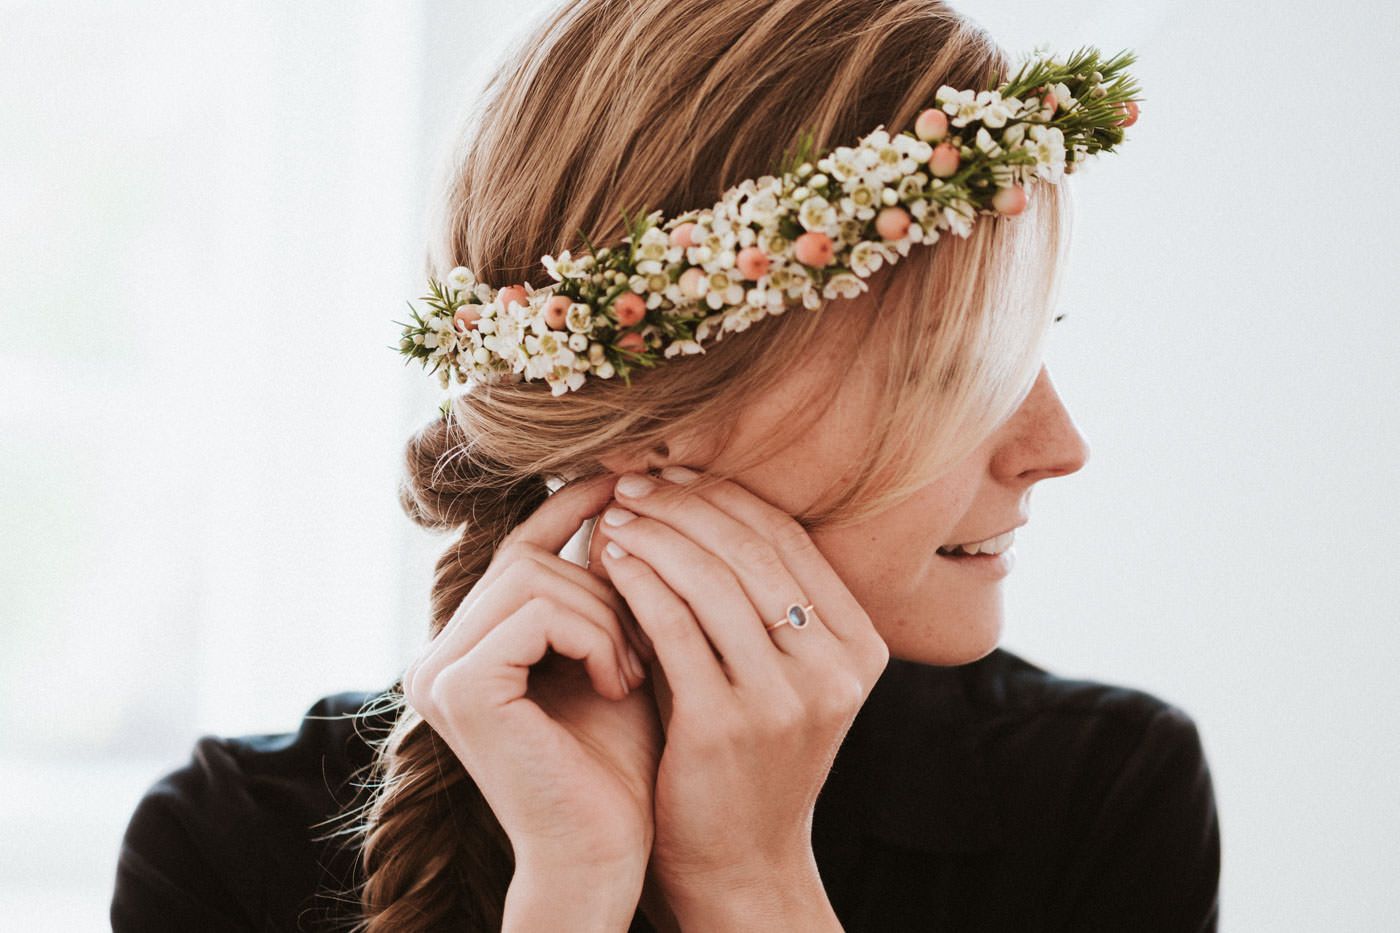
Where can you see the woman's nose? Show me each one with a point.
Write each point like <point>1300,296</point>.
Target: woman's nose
<point>1042,440</point>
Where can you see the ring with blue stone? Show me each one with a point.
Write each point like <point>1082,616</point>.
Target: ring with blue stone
<point>797,616</point>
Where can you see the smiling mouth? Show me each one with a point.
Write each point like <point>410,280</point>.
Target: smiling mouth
<point>997,544</point>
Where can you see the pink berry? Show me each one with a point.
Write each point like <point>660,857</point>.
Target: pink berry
<point>556,310</point>
<point>1129,109</point>
<point>945,160</point>
<point>932,125</point>
<point>632,341</point>
<point>513,293</point>
<point>692,282</point>
<point>681,235</point>
<point>753,263</point>
<point>1050,100</point>
<point>466,317</point>
<point>1010,200</point>
<point>814,249</point>
<point>630,308</point>
<point>892,222</point>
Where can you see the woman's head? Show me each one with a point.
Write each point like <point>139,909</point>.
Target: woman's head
<point>612,107</point>
<point>901,420</point>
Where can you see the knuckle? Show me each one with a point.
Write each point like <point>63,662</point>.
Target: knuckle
<point>759,554</point>
<point>673,625</point>
<point>711,566</point>
<point>781,714</point>
<point>843,698</point>
<point>518,571</point>
<point>450,689</point>
<point>789,535</point>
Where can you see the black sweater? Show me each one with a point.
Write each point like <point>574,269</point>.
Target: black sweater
<point>984,797</point>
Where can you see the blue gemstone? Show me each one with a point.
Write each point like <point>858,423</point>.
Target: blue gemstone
<point>797,616</point>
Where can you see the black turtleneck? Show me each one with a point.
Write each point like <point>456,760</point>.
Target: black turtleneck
<point>985,797</point>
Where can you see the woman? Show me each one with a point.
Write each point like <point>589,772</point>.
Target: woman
<point>876,763</point>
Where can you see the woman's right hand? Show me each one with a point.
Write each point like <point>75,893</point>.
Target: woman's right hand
<point>567,761</point>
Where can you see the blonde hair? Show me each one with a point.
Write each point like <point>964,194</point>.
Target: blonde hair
<point>609,106</point>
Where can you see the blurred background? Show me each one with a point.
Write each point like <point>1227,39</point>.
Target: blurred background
<point>211,213</point>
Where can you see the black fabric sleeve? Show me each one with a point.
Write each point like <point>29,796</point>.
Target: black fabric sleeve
<point>182,857</point>
<point>1151,858</point>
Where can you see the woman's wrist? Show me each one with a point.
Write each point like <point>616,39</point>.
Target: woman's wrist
<point>769,901</point>
<point>546,896</point>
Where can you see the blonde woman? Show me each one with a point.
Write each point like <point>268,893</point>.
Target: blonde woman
<point>765,693</point>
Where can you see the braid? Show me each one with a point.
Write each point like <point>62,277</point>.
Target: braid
<point>432,855</point>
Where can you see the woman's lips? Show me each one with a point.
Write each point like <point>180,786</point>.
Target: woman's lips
<point>992,566</point>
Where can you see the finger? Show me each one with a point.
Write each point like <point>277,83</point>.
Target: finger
<point>841,614</point>
<point>556,520</point>
<point>599,585</point>
<point>754,560</point>
<point>686,658</point>
<point>711,591</point>
<point>497,670</point>
<point>522,581</point>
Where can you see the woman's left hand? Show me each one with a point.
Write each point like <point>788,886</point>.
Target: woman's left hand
<point>751,733</point>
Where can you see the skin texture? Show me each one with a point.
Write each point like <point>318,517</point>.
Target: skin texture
<point>926,607</point>
<point>923,607</point>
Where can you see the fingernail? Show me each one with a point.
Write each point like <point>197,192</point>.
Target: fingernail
<point>634,484</point>
<point>622,679</point>
<point>617,515</point>
<point>679,474</point>
<point>636,662</point>
<point>615,550</point>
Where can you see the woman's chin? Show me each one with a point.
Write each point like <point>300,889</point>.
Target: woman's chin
<point>948,643</point>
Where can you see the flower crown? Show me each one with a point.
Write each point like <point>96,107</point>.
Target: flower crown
<point>814,231</point>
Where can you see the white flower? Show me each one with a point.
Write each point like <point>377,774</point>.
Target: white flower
<point>842,163</point>
<point>722,290</point>
<point>843,285</point>
<point>816,213</point>
<point>867,256</point>
<point>561,267</point>
<point>1062,96</point>
<point>995,111</point>
<point>461,278</point>
<point>1047,144</point>
<point>860,201</point>
<point>579,318</point>
<point>959,217</point>
<point>651,251</point>
<point>911,186</point>
<point>962,106</point>
<point>442,339</point>
<point>986,143</point>
<point>682,346</point>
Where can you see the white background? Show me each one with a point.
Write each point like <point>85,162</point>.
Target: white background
<point>210,213</point>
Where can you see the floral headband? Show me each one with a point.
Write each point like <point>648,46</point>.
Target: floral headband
<point>814,231</point>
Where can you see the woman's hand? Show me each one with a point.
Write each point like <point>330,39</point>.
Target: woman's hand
<point>568,766</point>
<point>750,733</point>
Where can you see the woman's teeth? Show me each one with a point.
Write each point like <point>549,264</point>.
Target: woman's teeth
<point>991,546</point>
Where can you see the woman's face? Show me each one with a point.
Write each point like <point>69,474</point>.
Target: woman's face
<point>928,608</point>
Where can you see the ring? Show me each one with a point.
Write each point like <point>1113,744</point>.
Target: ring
<point>797,616</point>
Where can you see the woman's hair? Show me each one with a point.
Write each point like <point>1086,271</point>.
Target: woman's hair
<point>610,106</point>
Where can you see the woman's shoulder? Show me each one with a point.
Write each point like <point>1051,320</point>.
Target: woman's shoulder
<point>227,840</point>
<point>1103,745</point>
<point>1007,686</point>
<point>1059,798</point>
